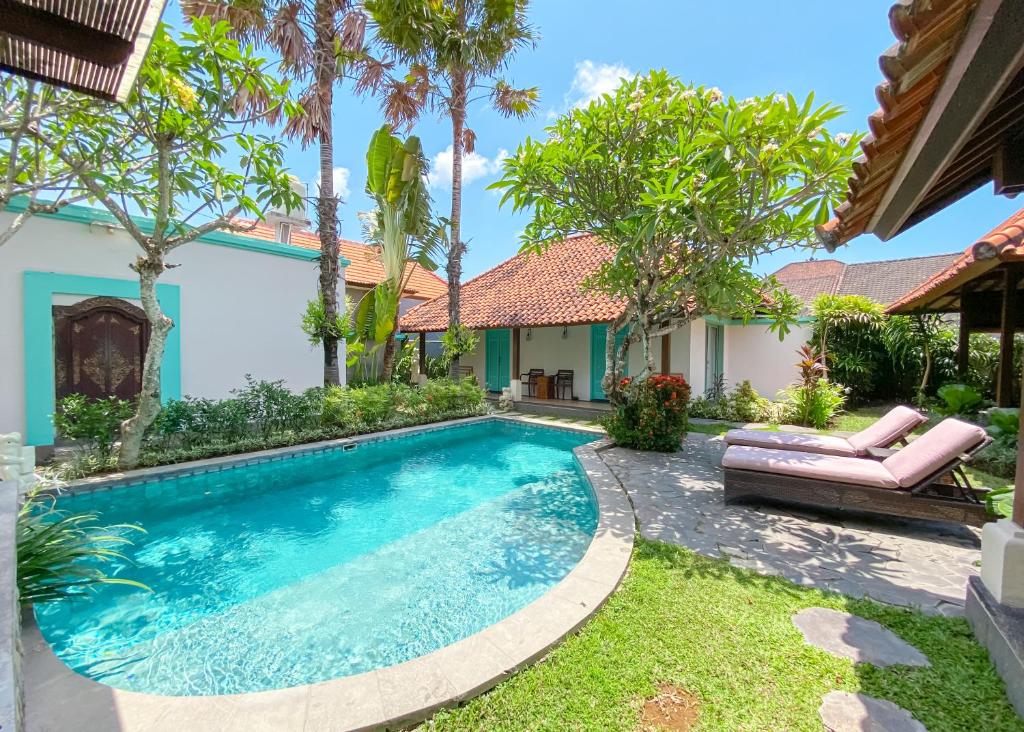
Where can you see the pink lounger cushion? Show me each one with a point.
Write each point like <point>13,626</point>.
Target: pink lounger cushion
<point>939,446</point>
<point>887,430</point>
<point>821,444</point>
<point>898,422</point>
<point>834,468</point>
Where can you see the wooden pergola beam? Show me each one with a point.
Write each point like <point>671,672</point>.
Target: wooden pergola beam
<point>43,28</point>
<point>423,353</point>
<point>1007,328</point>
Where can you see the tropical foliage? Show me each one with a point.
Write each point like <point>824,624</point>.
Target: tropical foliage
<point>265,414</point>
<point>96,422</point>
<point>400,227</point>
<point>960,400</point>
<point>451,51</point>
<point>687,186</point>
<point>62,554</point>
<point>813,400</point>
<point>654,416</point>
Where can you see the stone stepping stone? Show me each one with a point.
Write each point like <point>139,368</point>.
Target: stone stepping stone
<point>853,637</point>
<point>842,711</point>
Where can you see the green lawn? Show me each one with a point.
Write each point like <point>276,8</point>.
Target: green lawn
<point>725,635</point>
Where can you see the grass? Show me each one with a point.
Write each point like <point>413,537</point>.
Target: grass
<point>725,635</point>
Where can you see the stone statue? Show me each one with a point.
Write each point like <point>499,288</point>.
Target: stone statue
<point>17,463</point>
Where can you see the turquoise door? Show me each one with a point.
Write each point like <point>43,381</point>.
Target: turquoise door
<point>497,347</point>
<point>714,356</point>
<point>598,338</point>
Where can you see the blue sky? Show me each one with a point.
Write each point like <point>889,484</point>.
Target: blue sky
<point>744,47</point>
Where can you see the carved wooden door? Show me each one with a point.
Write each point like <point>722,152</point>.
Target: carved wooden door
<point>99,346</point>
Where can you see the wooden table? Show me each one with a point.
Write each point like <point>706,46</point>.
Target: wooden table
<point>545,387</point>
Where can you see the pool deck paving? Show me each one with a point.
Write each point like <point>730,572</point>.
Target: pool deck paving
<point>678,499</point>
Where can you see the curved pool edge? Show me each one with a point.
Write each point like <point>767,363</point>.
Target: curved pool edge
<point>57,698</point>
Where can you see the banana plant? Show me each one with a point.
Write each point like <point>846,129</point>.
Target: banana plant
<point>401,228</point>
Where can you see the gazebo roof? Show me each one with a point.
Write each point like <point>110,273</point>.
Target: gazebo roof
<point>950,118</point>
<point>941,292</point>
<point>91,47</point>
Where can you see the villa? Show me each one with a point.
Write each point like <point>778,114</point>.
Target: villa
<point>72,321</point>
<point>533,312</point>
<point>405,552</point>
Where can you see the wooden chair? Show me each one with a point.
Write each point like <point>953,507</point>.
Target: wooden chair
<point>563,383</point>
<point>530,379</point>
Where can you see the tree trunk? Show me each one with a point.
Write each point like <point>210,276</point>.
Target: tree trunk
<point>134,428</point>
<point>454,269</point>
<point>327,203</point>
<point>388,360</point>
<point>926,375</point>
<point>614,363</point>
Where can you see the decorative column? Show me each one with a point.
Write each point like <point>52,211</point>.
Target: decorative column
<point>514,382</point>
<point>17,463</point>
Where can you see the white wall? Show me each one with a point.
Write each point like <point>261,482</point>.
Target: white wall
<point>240,309</point>
<point>696,356</point>
<point>753,352</point>
<point>546,349</point>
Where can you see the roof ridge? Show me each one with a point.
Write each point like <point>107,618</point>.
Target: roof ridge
<point>837,285</point>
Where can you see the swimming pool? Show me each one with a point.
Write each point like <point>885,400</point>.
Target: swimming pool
<point>326,565</point>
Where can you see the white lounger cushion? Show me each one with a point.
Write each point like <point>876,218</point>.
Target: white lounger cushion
<point>939,446</point>
<point>821,444</point>
<point>835,468</point>
<point>887,430</point>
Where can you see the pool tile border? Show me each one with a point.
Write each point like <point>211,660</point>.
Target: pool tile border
<point>393,697</point>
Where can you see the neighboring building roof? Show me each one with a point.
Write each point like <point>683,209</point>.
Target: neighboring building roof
<point>883,281</point>
<point>528,291</point>
<point>946,51</point>
<point>364,268</point>
<point>1005,243</point>
<point>92,47</point>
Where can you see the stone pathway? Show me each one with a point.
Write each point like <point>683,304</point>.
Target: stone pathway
<point>854,637</point>
<point>842,711</point>
<point>678,499</point>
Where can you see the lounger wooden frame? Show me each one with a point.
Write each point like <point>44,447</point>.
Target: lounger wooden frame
<point>955,501</point>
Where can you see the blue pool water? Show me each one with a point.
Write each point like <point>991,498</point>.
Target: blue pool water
<point>321,566</point>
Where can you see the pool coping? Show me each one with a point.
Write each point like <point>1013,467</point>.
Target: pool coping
<point>393,697</point>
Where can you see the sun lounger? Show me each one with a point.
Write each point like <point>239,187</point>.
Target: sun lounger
<point>889,430</point>
<point>922,480</point>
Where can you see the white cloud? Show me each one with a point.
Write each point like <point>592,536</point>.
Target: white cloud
<point>594,79</point>
<point>341,189</point>
<point>474,166</point>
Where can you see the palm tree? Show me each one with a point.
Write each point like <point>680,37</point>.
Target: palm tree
<point>453,49</point>
<point>401,228</point>
<point>314,38</point>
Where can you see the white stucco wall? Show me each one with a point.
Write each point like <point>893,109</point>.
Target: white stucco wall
<point>240,309</point>
<point>546,349</point>
<point>753,352</point>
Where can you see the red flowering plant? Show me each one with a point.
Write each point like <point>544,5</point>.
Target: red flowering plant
<point>654,415</point>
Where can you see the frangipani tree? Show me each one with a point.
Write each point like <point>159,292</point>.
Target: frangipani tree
<point>182,152</point>
<point>454,51</point>
<point>29,169</point>
<point>400,227</point>
<point>687,186</point>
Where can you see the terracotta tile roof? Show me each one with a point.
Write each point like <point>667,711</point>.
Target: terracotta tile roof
<point>882,281</point>
<point>928,34</point>
<point>364,269</point>
<point>1005,243</point>
<point>528,291</point>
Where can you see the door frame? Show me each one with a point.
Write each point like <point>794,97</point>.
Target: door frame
<point>40,377</point>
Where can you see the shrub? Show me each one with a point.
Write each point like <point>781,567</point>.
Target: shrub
<point>95,421</point>
<point>813,401</point>
<point>999,459</point>
<point>816,405</point>
<point>1003,425</point>
<point>60,554</point>
<point>654,416</point>
<point>746,405</point>
<point>959,400</point>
